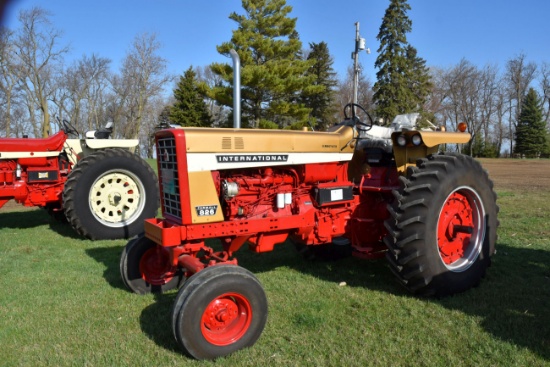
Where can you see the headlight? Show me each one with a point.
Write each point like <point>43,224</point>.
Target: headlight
<point>416,139</point>
<point>401,140</point>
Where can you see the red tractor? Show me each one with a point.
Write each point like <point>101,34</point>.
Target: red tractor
<point>382,191</point>
<point>102,189</point>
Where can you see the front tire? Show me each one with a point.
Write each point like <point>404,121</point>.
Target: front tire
<point>145,267</point>
<point>109,194</point>
<point>442,225</point>
<point>218,311</point>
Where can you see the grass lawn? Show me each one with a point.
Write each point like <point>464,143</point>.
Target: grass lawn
<point>62,303</point>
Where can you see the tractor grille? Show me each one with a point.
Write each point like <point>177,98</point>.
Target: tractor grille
<point>169,181</point>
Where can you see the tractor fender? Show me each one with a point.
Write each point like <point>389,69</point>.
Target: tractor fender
<point>77,149</point>
<point>434,138</point>
<point>111,143</point>
<point>407,155</point>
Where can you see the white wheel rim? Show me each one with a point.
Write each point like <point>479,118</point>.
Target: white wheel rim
<point>117,198</point>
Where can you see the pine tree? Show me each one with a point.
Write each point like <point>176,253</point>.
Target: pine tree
<point>531,129</point>
<point>403,82</point>
<point>272,70</point>
<point>189,109</point>
<point>321,101</point>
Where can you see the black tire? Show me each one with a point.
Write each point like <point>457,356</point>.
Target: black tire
<point>109,194</point>
<point>145,267</point>
<point>218,311</point>
<point>442,226</point>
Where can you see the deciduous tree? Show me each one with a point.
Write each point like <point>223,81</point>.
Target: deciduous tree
<point>8,79</point>
<point>83,93</point>
<point>39,60</point>
<point>344,93</point>
<point>142,77</point>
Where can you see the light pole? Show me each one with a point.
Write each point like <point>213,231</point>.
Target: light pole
<point>359,46</point>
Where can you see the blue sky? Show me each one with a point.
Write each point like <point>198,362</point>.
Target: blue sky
<point>444,31</point>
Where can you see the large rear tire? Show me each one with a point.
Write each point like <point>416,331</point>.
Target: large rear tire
<point>218,311</point>
<point>442,225</point>
<point>109,194</point>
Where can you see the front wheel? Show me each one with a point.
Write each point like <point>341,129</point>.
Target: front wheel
<point>146,267</point>
<point>109,194</point>
<point>218,311</point>
<point>442,225</point>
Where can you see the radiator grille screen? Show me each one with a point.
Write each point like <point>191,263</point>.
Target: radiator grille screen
<point>169,179</point>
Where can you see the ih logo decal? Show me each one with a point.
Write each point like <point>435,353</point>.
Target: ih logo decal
<point>206,210</point>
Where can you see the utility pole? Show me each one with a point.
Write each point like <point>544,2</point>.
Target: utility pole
<point>359,46</point>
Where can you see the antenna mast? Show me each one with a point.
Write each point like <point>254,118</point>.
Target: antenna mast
<point>360,45</point>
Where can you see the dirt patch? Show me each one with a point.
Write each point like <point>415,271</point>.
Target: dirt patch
<point>518,174</point>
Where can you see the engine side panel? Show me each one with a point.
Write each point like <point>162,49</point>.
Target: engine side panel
<point>205,205</point>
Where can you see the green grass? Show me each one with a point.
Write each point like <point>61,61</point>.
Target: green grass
<point>62,303</point>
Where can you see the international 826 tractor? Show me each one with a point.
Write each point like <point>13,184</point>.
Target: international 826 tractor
<point>384,191</point>
<point>102,189</point>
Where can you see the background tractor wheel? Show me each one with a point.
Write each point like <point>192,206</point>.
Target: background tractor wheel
<point>109,194</point>
<point>145,267</point>
<point>442,225</point>
<point>218,311</point>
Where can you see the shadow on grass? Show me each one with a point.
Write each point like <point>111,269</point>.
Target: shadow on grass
<point>110,257</point>
<point>156,322</point>
<point>512,301</point>
<point>24,219</point>
<point>32,218</point>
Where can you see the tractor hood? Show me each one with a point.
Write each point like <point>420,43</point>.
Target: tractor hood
<point>211,140</point>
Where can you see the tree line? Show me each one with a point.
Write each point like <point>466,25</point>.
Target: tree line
<point>38,90</point>
<point>284,85</point>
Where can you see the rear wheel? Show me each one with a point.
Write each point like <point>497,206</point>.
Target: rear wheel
<point>145,267</point>
<point>218,311</point>
<point>109,194</point>
<point>442,226</point>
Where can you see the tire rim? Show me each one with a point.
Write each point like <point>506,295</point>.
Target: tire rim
<point>226,319</point>
<point>461,229</point>
<point>155,267</point>
<point>117,198</point>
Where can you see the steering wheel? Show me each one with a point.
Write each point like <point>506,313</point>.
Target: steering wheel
<point>360,125</point>
<point>69,129</point>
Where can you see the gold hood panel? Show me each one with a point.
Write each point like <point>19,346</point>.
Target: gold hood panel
<point>219,140</point>
<point>434,138</point>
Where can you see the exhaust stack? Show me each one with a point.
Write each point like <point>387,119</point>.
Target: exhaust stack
<point>236,89</point>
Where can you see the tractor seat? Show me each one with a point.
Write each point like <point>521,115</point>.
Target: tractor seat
<point>49,144</point>
<point>378,137</point>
